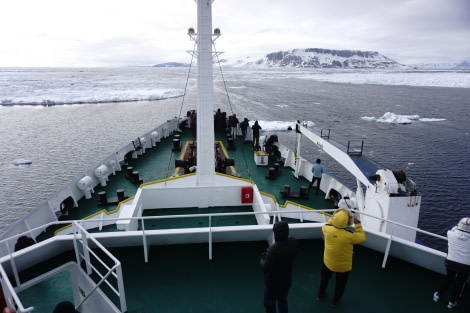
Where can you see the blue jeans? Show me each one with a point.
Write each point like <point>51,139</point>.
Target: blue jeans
<point>271,296</point>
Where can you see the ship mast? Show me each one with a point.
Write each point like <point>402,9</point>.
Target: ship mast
<point>205,172</point>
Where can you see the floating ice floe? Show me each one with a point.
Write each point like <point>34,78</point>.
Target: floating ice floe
<point>400,119</point>
<point>22,162</point>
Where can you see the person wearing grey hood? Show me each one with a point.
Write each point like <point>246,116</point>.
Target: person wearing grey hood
<point>457,262</point>
<point>276,263</point>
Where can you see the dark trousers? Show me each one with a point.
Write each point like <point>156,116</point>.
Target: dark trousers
<point>193,129</point>
<point>255,141</point>
<point>313,181</point>
<point>341,280</point>
<point>453,278</point>
<point>271,296</point>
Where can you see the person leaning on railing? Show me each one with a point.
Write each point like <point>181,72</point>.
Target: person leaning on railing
<point>457,262</point>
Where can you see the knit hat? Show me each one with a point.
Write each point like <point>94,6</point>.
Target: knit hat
<point>464,224</point>
<point>347,204</point>
<point>281,230</point>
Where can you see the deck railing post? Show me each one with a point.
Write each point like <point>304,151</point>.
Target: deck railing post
<point>210,237</point>
<point>278,212</point>
<point>86,251</point>
<point>387,249</point>
<point>122,295</point>
<point>75,242</point>
<point>101,221</point>
<point>144,242</point>
<point>13,266</point>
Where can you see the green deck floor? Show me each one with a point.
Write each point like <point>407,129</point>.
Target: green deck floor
<point>181,278</point>
<point>159,163</point>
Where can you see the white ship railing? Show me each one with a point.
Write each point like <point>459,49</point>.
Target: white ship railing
<point>86,292</point>
<point>85,253</point>
<point>320,216</point>
<point>47,210</point>
<point>83,241</point>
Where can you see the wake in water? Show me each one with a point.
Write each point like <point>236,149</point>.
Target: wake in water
<point>393,118</point>
<point>268,126</point>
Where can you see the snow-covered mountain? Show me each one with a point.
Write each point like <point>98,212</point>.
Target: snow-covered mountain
<point>329,58</point>
<point>323,58</point>
<point>464,65</point>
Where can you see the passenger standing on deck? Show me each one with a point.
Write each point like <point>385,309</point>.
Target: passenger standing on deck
<point>223,122</point>
<point>193,119</point>
<point>317,170</point>
<point>340,239</point>
<point>276,263</point>
<point>244,127</point>
<point>256,128</point>
<point>457,262</point>
<point>217,115</point>
<point>233,125</point>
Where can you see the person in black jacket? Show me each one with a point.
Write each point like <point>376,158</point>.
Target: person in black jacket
<point>256,128</point>
<point>23,242</point>
<point>244,126</point>
<point>276,263</point>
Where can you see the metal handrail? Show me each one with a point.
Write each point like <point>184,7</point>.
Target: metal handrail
<point>110,270</point>
<point>274,212</point>
<point>80,235</point>
<point>80,229</point>
<point>11,290</point>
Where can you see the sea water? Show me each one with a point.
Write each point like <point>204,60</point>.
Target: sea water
<point>65,119</point>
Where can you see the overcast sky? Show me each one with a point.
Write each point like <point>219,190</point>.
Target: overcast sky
<point>147,32</point>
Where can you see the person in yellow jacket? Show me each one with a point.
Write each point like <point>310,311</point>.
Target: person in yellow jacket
<point>340,236</point>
